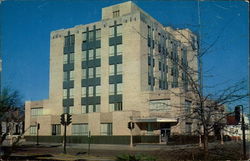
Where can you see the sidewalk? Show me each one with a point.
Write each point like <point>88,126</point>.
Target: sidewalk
<point>117,147</point>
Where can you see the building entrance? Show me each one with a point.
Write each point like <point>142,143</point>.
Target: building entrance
<point>165,134</point>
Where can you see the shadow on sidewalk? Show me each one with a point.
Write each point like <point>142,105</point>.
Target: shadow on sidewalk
<point>31,157</point>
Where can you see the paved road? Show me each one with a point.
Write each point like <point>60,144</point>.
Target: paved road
<point>105,152</point>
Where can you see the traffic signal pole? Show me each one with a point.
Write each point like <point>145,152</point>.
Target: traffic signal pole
<point>37,133</point>
<point>131,126</point>
<point>131,138</point>
<point>65,121</point>
<point>64,139</point>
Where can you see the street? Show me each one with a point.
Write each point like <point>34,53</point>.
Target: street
<point>49,151</point>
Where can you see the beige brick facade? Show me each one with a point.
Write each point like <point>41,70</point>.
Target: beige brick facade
<point>138,90</point>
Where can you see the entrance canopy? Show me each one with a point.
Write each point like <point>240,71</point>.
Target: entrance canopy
<point>160,120</point>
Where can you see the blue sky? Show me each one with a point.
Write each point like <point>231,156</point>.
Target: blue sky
<point>26,27</point>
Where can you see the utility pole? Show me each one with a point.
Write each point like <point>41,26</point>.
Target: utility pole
<point>243,134</point>
<point>243,127</point>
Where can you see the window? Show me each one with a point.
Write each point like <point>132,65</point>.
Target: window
<point>37,111</point>
<point>65,109</point>
<point>84,89</point>
<point>69,40</point>
<point>65,76</point>
<point>84,109</point>
<point>33,130</point>
<point>111,89</point>
<point>115,106</point>
<point>71,58</point>
<point>111,31</point>
<point>71,75</point>
<point>98,72</point>
<point>111,107</point>
<point>119,49</point>
<point>118,106</point>
<point>91,72</point>
<point>150,130</point>
<point>111,50</point>
<point>112,70</point>
<point>98,34</point>
<point>71,93</point>
<point>65,93</point>
<point>159,105</point>
<point>65,59</point>
<point>98,90</point>
<point>56,129</point>
<point>119,30</point>
<point>84,36</point>
<point>91,91</point>
<point>84,55</point>
<point>149,32</point>
<point>71,110</point>
<point>106,129</point>
<point>97,108</point>
<point>90,108</point>
<point>187,106</point>
<point>116,13</point>
<point>119,88</point>
<point>91,35</point>
<point>188,128</point>
<point>159,65</point>
<point>84,73</point>
<point>119,68</point>
<point>91,54</point>
<point>80,129</point>
<point>98,53</point>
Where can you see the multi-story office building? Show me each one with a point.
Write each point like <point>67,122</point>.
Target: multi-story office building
<point>120,69</point>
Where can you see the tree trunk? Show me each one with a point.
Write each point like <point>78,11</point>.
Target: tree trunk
<point>205,145</point>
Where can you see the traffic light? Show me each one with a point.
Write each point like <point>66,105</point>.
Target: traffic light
<point>131,125</point>
<point>62,119</point>
<point>237,114</point>
<point>69,118</point>
<point>38,126</point>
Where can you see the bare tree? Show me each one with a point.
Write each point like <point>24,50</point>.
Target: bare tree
<point>10,102</point>
<point>208,109</point>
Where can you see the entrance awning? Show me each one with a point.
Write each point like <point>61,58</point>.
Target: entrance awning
<point>161,120</point>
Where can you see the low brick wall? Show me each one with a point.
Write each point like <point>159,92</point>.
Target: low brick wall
<point>96,139</point>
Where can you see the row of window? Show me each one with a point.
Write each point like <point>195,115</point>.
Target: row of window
<point>91,91</point>
<point>91,72</point>
<point>94,108</point>
<point>96,34</point>
<point>76,129</point>
<point>93,54</point>
<point>91,35</point>
<point>115,30</point>
<point>68,58</point>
